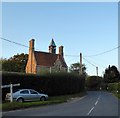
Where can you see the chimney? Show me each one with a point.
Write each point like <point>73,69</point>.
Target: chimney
<point>61,51</point>
<point>30,62</point>
<point>31,45</point>
<point>58,56</point>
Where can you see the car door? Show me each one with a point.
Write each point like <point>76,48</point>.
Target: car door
<point>25,94</point>
<point>34,95</point>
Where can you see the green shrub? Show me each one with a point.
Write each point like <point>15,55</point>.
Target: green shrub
<point>51,84</point>
<point>114,87</point>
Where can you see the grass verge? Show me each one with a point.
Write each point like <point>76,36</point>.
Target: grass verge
<point>52,100</point>
<point>116,94</point>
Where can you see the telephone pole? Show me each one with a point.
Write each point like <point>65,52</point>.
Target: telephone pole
<point>80,64</point>
<point>97,71</point>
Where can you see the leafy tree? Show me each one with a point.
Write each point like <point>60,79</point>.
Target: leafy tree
<point>111,74</point>
<point>75,68</point>
<point>17,63</point>
<point>1,60</point>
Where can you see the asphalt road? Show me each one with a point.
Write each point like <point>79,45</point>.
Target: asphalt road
<point>95,103</point>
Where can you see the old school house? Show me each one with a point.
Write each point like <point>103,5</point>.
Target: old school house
<point>39,61</point>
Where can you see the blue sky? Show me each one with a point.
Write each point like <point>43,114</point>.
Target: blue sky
<point>89,27</point>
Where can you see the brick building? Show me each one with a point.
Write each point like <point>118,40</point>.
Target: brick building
<point>39,62</point>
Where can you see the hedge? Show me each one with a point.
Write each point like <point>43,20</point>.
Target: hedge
<point>51,84</point>
<point>114,87</point>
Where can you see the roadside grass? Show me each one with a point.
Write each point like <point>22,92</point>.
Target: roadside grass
<point>116,94</point>
<point>52,100</point>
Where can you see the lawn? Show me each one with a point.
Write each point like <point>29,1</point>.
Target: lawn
<point>52,100</point>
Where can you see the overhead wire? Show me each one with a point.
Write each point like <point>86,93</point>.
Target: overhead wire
<point>13,42</point>
<point>89,62</point>
<point>72,55</point>
<point>96,63</point>
<point>67,55</point>
<point>103,52</point>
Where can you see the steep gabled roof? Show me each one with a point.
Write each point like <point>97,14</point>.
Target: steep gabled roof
<point>47,59</point>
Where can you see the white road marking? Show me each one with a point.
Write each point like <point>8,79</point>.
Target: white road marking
<point>94,106</point>
<point>99,97</point>
<point>96,102</point>
<point>90,111</point>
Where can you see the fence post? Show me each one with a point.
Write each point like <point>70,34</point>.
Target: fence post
<point>11,92</point>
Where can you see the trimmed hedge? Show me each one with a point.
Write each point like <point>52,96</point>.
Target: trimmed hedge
<point>51,84</point>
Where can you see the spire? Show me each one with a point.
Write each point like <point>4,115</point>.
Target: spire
<point>52,43</point>
<point>52,47</point>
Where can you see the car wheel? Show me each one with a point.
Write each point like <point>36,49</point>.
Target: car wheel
<point>20,100</point>
<point>43,99</point>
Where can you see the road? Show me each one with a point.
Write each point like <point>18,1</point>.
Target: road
<point>95,103</point>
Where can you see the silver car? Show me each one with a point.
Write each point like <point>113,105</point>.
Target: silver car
<point>27,95</point>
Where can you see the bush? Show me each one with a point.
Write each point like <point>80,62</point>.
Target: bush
<point>114,87</point>
<point>51,84</point>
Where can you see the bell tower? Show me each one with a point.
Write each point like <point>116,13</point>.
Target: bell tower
<point>52,47</point>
